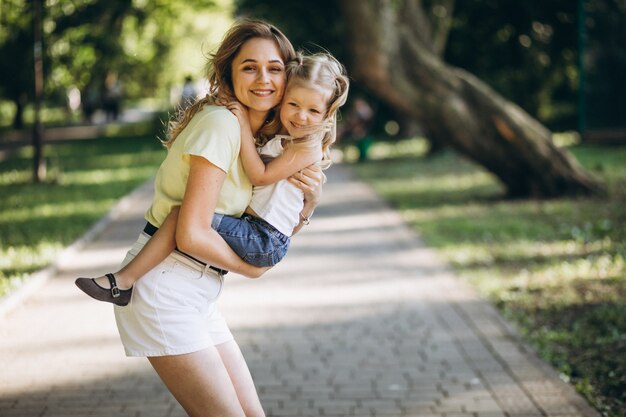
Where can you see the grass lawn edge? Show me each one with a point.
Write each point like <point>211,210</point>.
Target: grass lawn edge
<point>15,297</point>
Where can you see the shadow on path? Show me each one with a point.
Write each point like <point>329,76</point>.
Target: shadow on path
<point>361,319</point>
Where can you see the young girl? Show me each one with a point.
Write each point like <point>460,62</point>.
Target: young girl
<point>316,87</point>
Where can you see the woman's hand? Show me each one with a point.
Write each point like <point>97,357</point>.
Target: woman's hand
<point>310,181</point>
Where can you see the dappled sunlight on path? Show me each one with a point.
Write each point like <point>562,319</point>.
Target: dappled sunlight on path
<point>360,319</point>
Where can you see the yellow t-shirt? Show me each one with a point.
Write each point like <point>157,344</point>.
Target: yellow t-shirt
<point>213,133</point>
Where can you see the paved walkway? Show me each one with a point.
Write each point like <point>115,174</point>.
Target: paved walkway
<point>360,320</point>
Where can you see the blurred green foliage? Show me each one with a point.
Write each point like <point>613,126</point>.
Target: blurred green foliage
<point>151,45</point>
<point>528,51</point>
<point>525,50</point>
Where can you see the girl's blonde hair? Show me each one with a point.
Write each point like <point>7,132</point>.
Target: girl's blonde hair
<point>219,72</point>
<point>320,71</point>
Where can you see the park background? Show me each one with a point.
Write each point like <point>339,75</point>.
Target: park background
<point>543,239</point>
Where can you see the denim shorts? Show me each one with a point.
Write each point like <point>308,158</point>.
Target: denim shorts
<point>256,241</point>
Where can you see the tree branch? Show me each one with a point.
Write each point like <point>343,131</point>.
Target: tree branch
<point>375,49</point>
<point>443,11</point>
<point>415,22</point>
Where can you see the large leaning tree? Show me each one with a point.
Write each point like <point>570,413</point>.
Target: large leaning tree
<point>396,53</point>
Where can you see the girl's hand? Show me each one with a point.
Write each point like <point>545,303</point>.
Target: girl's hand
<point>310,181</point>
<point>240,111</point>
<point>222,99</point>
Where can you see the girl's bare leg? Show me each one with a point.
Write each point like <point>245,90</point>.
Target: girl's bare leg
<point>242,380</point>
<point>200,383</point>
<point>152,254</point>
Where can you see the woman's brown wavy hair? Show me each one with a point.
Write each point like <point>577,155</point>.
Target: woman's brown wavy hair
<point>219,72</point>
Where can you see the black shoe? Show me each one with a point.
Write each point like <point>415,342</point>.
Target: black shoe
<point>111,295</point>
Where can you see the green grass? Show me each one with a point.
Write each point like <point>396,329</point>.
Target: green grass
<point>557,268</point>
<point>85,179</point>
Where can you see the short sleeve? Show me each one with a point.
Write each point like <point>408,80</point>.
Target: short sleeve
<point>215,136</point>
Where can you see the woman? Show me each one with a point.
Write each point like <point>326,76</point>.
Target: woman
<point>172,318</point>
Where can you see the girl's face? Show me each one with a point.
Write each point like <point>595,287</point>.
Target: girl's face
<point>302,109</point>
<point>258,74</point>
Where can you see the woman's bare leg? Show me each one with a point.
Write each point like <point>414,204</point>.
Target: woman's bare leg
<point>240,376</point>
<point>200,383</point>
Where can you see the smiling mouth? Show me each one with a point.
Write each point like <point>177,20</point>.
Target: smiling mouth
<point>262,93</point>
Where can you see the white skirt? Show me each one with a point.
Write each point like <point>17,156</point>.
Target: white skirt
<point>173,308</point>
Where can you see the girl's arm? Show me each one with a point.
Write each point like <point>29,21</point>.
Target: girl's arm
<point>153,253</point>
<point>163,242</point>
<point>280,168</point>
<point>194,234</point>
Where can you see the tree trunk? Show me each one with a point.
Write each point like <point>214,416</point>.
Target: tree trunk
<point>397,61</point>
<point>18,118</point>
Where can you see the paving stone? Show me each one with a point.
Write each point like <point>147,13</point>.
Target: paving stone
<point>361,319</point>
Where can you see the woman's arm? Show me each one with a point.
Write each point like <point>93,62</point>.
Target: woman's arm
<point>194,234</point>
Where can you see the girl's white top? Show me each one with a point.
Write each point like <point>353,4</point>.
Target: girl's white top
<point>280,203</point>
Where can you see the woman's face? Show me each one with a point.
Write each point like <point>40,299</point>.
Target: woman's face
<point>258,74</point>
<point>303,110</point>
